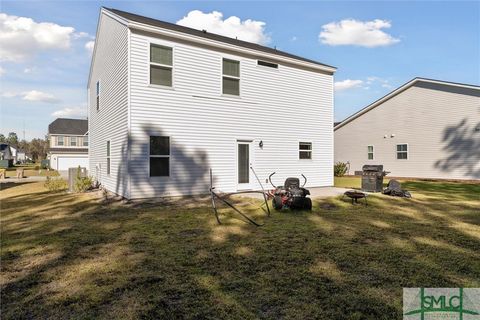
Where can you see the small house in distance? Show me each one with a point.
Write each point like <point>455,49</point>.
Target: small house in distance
<point>424,129</point>
<point>68,146</point>
<point>167,103</point>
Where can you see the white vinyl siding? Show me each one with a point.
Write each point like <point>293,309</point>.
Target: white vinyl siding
<point>204,127</point>
<point>436,121</point>
<point>110,68</point>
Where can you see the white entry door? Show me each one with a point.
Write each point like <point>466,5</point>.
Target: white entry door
<point>244,161</point>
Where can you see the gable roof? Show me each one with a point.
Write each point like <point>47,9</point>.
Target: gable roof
<point>68,126</point>
<point>131,17</point>
<point>399,90</point>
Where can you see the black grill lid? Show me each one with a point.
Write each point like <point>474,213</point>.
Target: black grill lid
<point>373,167</point>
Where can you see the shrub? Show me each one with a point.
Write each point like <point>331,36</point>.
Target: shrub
<point>82,184</point>
<point>37,167</point>
<point>339,169</point>
<point>55,184</point>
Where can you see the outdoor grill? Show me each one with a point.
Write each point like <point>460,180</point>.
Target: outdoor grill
<point>372,178</point>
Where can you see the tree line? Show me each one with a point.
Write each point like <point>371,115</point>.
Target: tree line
<point>36,148</point>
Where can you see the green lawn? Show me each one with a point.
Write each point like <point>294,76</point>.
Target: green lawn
<point>70,256</point>
<point>29,171</point>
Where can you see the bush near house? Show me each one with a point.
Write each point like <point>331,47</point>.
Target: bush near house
<point>55,184</point>
<point>339,169</point>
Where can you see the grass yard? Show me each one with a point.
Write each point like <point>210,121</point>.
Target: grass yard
<point>70,256</point>
<point>29,171</point>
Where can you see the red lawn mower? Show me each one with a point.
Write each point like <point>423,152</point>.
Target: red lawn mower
<point>291,195</point>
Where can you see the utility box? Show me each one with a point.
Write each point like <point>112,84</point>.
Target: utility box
<point>72,175</point>
<point>372,178</point>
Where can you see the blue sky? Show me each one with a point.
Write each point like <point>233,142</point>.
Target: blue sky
<point>377,46</point>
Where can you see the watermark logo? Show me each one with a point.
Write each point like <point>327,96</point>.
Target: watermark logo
<point>441,303</point>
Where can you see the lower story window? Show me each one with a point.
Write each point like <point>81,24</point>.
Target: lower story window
<point>370,152</point>
<point>108,157</point>
<point>305,150</point>
<point>159,156</point>
<point>402,151</point>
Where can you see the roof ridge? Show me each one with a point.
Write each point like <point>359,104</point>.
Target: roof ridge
<point>213,36</point>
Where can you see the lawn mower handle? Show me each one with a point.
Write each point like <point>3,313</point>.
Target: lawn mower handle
<point>305,180</point>
<point>270,179</point>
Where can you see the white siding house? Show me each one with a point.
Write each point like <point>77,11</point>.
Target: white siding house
<point>174,102</point>
<point>68,144</point>
<point>424,129</point>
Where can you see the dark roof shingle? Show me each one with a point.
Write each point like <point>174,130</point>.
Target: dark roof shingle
<point>208,35</point>
<point>68,126</point>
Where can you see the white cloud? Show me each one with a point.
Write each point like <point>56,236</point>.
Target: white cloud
<point>89,46</point>
<point>71,112</point>
<point>358,33</point>
<point>347,84</point>
<point>33,95</point>
<point>247,30</point>
<point>2,71</point>
<point>29,70</point>
<point>22,37</point>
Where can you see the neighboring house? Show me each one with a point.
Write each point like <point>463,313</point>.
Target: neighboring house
<point>167,103</point>
<point>5,152</point>
<point>68,140</point>
<point>426,128</point>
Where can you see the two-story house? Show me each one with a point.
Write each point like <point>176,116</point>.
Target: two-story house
<point>168,103</point>
<point>68,143</point>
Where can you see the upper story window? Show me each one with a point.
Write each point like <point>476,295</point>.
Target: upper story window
<point>402,151</point>
<point>267,64</point>
<point>161,65</point>
<point>98,94</point>
<point>73,141</point>
<point>305,150</point>
<point>85,141</point>
<point>60,141</point>
<point>231,77</point>
<point>370,152</point>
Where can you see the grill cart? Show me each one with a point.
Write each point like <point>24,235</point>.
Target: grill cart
<point>372,178</point>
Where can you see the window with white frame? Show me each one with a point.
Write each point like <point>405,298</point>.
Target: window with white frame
<point>305,150</point>
<point>73,141</point>
<point>402,151</point>
<point>161,65</point>
<point>98,95</point>
<point>370,152</point>
<point>60,141</point>
<point>108,156</point>
<point>159,156</point>
<point>231,77</point>
<point>85,141</point>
